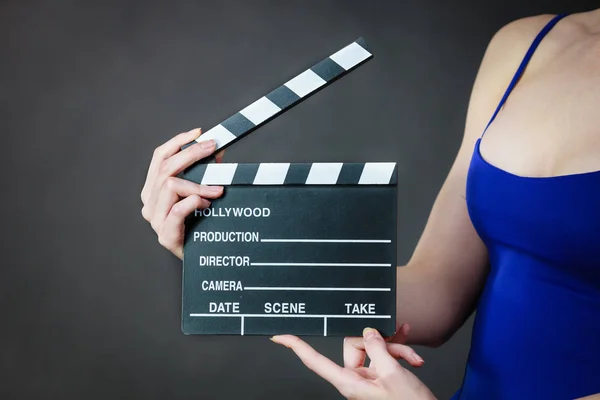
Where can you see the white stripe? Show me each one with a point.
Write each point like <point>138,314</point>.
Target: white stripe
<point>350,55</point>
<point>323,173</point>
<point>305,83</point>
<point>271,173</point>
<point>376,173</point>
<point>363,316</point>
<point>219,133</point>
<point>324,241</point>
<point>242,325</point>
<point>261,110</point>
<point>219,174</point>
<point>317,289</point>
<point>256,264</point>
<point>325,326</point>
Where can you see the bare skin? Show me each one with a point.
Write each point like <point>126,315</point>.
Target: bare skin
<point>540,132</point>
<point>167,199</point>
<point>548,127</point>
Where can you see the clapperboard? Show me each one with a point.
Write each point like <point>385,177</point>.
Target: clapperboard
<point>299,248</point>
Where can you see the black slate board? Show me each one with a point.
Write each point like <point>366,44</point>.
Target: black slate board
<point>327,251</point>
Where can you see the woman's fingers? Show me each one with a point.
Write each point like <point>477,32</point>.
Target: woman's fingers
<point>163,152</point>
<point>186,157</point>
<point>174,165</point>
<point>385,381</point>
<point>351,383</point>
<point>219,156</point>
<point>316,362</point>
<point>354,348</point>
<point>176,188</point>
<point>401,334</point>
<point>172,230</point>
<point>354,352</point>
<point>168,200</point>
<point>378,351</point>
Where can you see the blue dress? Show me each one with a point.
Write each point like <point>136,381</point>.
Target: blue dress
<point>537,328</point>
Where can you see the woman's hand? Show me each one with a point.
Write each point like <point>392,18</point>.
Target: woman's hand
<point>168,200</point>
<point>384,379</point>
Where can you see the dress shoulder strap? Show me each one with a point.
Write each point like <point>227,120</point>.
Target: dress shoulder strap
<point>524,63</point>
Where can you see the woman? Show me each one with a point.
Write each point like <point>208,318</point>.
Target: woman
<point>514,231</point>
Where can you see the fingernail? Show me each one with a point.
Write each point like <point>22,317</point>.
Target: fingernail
<point>418,359</point>
<point>208,144</point>
<point>274,339</point>
<point>197,132</point>
<point>368,333</point>
<point>215,189</point>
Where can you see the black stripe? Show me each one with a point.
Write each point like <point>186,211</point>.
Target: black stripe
<point>283,97</point>
<point>195,173</point>
<point>297,174</point>
<point>350,173</point>
<point>185,146</point>
<point>394,178</point>
<point>328,69</point>
<point>245,174</point>
<point>238,124</point>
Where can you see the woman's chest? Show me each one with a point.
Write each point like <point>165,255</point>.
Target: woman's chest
<point>551,218</point>
<point>550,124</point>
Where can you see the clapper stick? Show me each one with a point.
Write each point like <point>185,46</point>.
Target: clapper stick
<point>287,95</point>
<point>301,248</point>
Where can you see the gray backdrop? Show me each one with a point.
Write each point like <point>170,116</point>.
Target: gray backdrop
<point>90,302</point>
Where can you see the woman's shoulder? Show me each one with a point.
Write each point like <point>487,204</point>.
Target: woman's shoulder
<point>501,59</point>
<point>510,43</point>
<point>516,36</point>
<point>524,28</point>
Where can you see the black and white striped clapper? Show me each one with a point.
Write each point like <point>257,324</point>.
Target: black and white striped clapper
<point>299,248</point>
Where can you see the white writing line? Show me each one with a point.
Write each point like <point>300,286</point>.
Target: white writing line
<point>325,289</point>
<point>323,241</point>
<point>290,316</point>
<point>242,325</point>
<point>325,326</point>
<point>256,264</point>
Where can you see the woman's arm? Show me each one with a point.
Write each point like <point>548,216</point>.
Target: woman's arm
<point>438,288</point>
